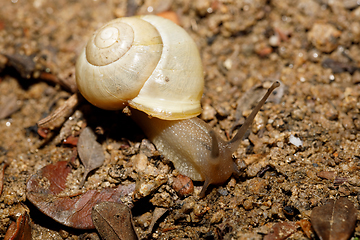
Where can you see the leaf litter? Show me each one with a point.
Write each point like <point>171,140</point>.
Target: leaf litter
<point>44,190</point>
<point>19,230</point>
<point>281,231</point>
<point>90,152</point>
<point>114,221</point>
<point>9,104</point>
<point>335,220</point>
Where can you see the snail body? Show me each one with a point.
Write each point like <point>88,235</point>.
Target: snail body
<point>159,74</point>
<point>196,150</point>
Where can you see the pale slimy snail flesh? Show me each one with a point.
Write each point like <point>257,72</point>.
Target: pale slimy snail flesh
<point>194,148</point>
<point>159,73</point>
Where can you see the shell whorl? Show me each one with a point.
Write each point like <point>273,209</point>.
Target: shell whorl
<point>109,44</point>
<point>146,62</point>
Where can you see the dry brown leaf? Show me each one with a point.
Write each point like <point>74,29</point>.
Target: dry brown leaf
<point>158,213</point>
<point>19,230</point>
<point>281,231</point>
<point>90,152</point>
<point>44,191</point>
<point>335,220</point>
<point>114,221</point>
<point>330,175</point>
<point>8,105</point>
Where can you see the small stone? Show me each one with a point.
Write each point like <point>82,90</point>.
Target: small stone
<point>274,40</point>
<point>188,206</point>
<point>208,113</point>
<point>324,37</point>
<point>183,185</point>
<point>295,141</point>
<point>140,162</point>
<point>297,114</point>
<point>144,220</point>
<point>144,186</point>
<point>248,205</point>
<point>217,217</point>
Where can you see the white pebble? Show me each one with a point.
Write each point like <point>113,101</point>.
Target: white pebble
<point>295,140</point>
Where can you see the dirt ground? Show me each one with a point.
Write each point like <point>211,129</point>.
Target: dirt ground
<point>302,149</point>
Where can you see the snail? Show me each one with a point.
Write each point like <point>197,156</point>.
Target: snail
<point>153,66</point>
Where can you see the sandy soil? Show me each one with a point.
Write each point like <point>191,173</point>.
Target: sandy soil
<point>302,148</point>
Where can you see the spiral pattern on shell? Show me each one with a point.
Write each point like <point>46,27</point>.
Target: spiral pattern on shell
<point>147,62</point>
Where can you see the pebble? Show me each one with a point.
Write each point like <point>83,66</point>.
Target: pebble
<point>140,162</point>
<point>208,113</point>
<point>217,217</point>
<point>295,141</point>
<point>145,186</point>
<point>324,37</point>
<point>183,185</point>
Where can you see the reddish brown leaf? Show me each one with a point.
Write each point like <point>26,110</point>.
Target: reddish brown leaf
<point>43,132</point>
<point>114,221</point>
<point>71,140</point>
<point>19,230</point>
<point>335,220</point>
<point>90,152</point>
<point>44,188</point>
<point>281,231</point>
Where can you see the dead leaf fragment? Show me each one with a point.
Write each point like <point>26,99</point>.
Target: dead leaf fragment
<point>330,175</point>
<point>23,64</point>
<point>44,191</point>
<point>8,105</point>
<point>281,231</point>
<point>19,230</point>
<point>113,221</point>
<point>335,220</point>
<point>158,213</point>
<point>90,152</point>
<point>2,172</point>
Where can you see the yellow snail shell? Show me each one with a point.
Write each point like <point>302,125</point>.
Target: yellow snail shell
<point>146,62</point>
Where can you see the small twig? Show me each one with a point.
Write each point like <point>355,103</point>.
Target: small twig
<point>57,118</point>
